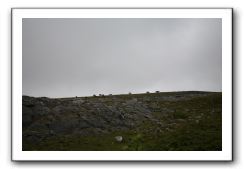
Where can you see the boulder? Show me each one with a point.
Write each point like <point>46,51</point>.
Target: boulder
<point>118,138</point>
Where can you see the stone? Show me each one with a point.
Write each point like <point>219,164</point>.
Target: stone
<point>28,101</point>
<point>78,102</point>
<point>41,110</point>
<point>132,101</point>
<point>118,138</point>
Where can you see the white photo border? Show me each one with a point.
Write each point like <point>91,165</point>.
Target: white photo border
<point>16,51</point>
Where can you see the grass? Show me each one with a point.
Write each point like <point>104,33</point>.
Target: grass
<point>189,137</point>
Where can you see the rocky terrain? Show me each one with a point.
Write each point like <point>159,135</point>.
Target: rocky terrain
<point>170,121</point>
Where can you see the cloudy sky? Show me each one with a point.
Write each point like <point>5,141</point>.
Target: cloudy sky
<point>82,57</point>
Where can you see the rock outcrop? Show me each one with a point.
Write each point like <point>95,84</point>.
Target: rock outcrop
<point>45,117</point>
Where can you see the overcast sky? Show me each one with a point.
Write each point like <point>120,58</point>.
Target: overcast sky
<point>82,57</point>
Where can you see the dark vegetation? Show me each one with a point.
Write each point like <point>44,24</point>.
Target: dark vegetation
<point>174,121</point>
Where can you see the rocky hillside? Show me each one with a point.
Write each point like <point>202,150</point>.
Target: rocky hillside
<point>150,121</point>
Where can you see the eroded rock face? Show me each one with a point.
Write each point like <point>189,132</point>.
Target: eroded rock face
<point>44,116</point>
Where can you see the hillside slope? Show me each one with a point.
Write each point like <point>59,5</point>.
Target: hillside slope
<point>172,121</point>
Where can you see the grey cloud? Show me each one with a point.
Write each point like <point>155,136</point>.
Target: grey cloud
<point>69,57</point>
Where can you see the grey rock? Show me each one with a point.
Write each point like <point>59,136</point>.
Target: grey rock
<point>59,109</point>
<point>132,101</point>
<point>41,110</point>
<point>78,102</point>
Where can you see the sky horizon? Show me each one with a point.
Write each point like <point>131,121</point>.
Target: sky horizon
<point>82,57</point>
<point>108,94</point>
